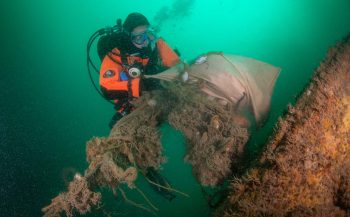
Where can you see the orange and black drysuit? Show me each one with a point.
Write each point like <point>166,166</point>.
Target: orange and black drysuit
<point>115,81</point>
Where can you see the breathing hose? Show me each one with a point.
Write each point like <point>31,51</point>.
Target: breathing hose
<point>99,33</point>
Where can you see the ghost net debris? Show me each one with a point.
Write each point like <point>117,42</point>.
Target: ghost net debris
<point>220,88</point>
<point>132,146</point>
<point>214,130</point>
<point>214,139</point>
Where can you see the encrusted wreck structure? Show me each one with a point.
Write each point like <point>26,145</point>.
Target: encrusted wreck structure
<point>305,168</point>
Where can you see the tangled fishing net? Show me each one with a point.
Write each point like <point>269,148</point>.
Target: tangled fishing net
<point>216,133</point>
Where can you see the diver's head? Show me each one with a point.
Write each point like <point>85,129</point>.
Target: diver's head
<point>138,28</point>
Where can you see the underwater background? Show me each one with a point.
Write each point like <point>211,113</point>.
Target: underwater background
<point>49,108</point>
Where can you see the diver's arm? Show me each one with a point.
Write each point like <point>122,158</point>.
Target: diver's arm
<point>167,55</point>
<point>177,72</point>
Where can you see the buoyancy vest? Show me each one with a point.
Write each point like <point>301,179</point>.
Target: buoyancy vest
<point>115,80</point>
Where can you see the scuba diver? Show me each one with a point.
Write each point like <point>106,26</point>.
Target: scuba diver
<point>128,52</point>
<point>126,56</point>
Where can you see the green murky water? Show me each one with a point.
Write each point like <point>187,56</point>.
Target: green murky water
<point>49,109</point>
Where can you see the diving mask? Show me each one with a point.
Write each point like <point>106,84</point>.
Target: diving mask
<point>141,37</point>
